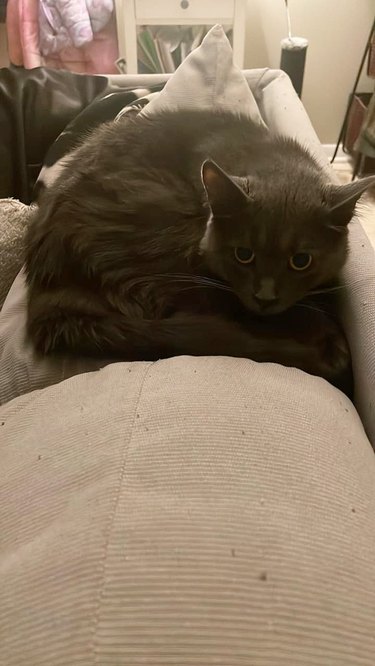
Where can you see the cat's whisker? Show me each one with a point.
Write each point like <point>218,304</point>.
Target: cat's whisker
<point>213,283</point>
<point>311,307</point>
<point>181,277</point>
<point>329,290</point>
<point>192,276</point>
<point>202,283</point>
<point>202,286</point>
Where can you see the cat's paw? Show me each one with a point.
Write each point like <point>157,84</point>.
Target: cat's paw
<point>333,357</point>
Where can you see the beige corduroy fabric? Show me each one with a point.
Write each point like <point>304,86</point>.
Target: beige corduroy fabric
<point>193,511</point>
<point>358,316</point>
<point>21,370</point>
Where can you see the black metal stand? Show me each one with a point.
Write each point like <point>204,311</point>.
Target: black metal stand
<point>351,96</point>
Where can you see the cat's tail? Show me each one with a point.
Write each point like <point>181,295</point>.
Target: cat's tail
<point>85,329</point>
<point>78,329</point>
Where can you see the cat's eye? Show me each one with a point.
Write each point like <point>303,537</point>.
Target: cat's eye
<point>244,255</point>
<point>300,261</point>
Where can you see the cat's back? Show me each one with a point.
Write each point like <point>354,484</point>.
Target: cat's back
<point>177,141</point>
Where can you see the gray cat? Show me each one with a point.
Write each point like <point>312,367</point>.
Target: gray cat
<point>190,233</point>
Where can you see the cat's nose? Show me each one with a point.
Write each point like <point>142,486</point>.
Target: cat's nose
<point>266,294</point>
<point>266,302</point>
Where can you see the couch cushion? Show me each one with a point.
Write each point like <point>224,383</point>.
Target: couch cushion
<point>21,370</point>
<point>192,511</point>
<point>208,79</point>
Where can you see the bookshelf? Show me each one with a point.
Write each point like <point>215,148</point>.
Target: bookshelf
<point>132,14</point>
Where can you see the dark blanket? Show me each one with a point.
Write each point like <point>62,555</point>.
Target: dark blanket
<point>36,106</point>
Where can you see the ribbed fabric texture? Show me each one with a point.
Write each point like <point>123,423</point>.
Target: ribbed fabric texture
<point>21,370</point>
<point>358,313</point>
<point>14,217</point>
<point>194,511</point>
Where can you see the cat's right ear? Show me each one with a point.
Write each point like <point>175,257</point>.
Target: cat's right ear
<point>343,198</point>
<point>223,193</point>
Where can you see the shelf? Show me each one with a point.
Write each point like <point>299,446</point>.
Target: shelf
<point>130,14</point>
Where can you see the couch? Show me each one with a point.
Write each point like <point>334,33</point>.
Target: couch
<point>193,510</point>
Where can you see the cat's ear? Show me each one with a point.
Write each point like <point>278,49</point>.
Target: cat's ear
<point>223,193</point>
<point>343,198</point>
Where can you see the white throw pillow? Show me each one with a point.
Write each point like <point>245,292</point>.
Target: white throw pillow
<point>208,79</point>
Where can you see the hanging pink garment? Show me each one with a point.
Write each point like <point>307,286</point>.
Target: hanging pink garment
<point>71,22</point>
<point>95,57</point>
<point>23,33</point>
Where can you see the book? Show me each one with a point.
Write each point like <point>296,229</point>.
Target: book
<point>165,55</point>
<point>143,58</point>
<point>146,41</point>
<point>161,49</point>
<point>158,47</point>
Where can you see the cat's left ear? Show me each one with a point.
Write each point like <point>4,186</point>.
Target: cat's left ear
<point>343,198</point>
<point>223,193</point>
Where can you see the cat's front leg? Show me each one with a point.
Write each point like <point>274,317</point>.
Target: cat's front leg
<point>84,326</point>
<point>331,356</point>
<point>307,338</point>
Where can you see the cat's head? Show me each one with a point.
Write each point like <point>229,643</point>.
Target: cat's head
<point>275,240</point>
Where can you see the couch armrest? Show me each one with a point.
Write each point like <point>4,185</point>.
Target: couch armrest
<point>358,316</point>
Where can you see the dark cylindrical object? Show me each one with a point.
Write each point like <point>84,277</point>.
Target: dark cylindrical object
<point>293,57</point>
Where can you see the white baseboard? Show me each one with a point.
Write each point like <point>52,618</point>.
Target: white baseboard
<point>329,149</point>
